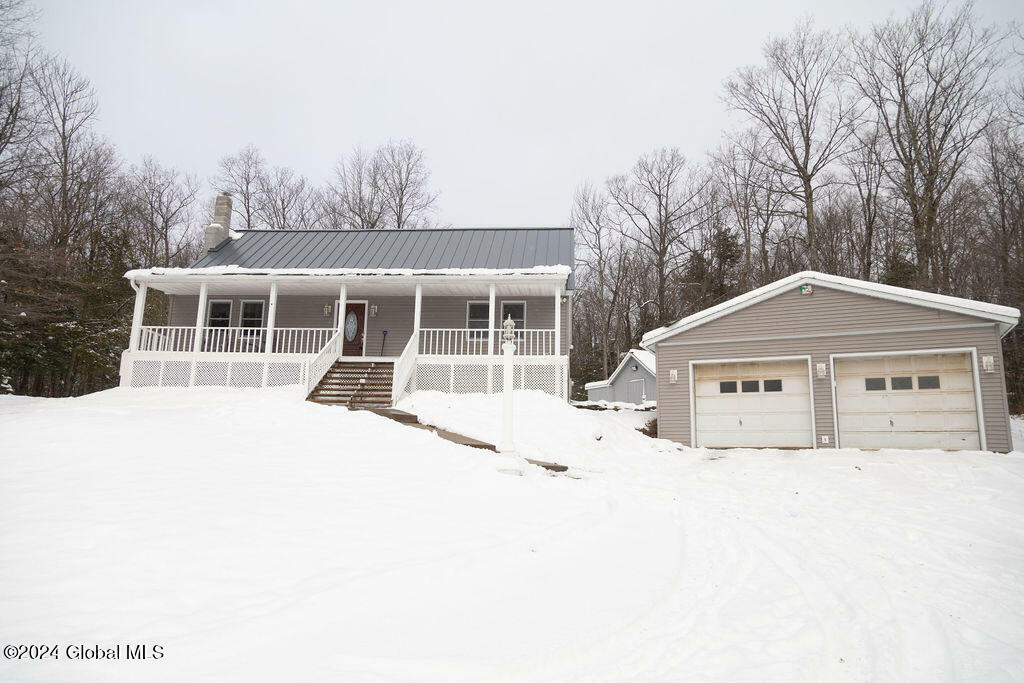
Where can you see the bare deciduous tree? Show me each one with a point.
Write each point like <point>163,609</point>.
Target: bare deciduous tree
<point>355,197</point>
<point>287,201</point>
<point>927,80</point>
<point>405,179</point>
<point>797,99</point>
<point>655,204</point>
<point>161,200</point>
<point>241,175</point>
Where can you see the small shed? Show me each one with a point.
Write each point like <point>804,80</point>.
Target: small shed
<point>633,381</point>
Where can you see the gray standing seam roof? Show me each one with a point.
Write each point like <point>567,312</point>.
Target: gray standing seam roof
<point>413,249</point>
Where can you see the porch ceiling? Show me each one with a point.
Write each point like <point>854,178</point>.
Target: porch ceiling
<point>358,287</point>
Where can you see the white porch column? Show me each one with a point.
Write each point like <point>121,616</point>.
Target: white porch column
<point>271,317</point>
<point>197,343</point>
<point>558,321</point>
<point>417,312</point>
<point>269,341</point>
<point>140,309</point>
<point>490,328</point>
<point>342,304</point>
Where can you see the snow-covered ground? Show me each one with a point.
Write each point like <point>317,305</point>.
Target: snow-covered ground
<point>258,537</point>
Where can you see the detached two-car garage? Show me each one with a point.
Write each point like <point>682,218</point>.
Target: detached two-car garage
<point>818,360</point>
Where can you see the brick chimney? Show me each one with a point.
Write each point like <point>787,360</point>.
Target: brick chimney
<point>219,229</point>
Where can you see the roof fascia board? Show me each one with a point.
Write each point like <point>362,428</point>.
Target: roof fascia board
<point>776,288</point>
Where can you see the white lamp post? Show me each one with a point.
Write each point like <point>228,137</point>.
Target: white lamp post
<point>505,445</point>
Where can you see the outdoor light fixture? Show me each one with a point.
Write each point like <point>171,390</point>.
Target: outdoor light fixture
<point>635,368</point>
<point>373,311</point>
<point>988,363</point>
<point>327,310</point>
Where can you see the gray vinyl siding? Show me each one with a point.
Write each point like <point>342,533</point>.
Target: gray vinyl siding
<point>394,314</point>
<point>830,321</point>
<point>618,390</point>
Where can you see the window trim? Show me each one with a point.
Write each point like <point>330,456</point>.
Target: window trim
<point>263,311</point>
<point>231,310</point>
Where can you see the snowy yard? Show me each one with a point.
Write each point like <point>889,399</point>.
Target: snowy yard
<point>259,537</point>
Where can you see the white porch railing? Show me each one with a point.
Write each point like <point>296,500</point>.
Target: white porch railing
<point>463,342</point>
<point>323,361</point>
<point>155,338</point>
<point>301,339</point>
<point>403,370</point>
<point>294,340</point>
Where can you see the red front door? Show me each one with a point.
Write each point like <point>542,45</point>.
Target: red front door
<point>353,330</point>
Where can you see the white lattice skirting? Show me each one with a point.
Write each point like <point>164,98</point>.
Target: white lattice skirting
<point>464,375</point>
<point>171,370</point>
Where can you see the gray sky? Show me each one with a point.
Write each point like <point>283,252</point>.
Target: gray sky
<point>515,104</point>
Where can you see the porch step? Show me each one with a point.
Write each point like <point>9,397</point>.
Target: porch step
<point>355,385</point>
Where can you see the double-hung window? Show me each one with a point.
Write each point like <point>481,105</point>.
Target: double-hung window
<point>477,319</point>
<point>252,314</point>
<point>219,314</point>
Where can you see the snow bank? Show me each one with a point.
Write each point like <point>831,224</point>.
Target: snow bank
<point>617,405</point>
<point>260,537</point>
<point>545,427</point>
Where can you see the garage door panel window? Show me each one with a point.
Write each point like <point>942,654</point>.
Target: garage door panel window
<point>902,383</point>
<point>773,385</point>
<point>727,387</point>
<point>751,386</point>
<point>928,382</point>
<point>874,384</point>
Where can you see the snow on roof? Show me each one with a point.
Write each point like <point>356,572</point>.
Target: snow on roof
<point>644,358</point>
<point>1005,315</point>
<point>238,270</point>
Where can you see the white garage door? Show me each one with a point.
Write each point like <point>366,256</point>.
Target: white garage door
<point>759,404</point>
<point>907,401</point>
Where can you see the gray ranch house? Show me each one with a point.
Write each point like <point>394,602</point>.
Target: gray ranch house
<point>816,360</point>
<point>633,381</point>
<point>359,316</point>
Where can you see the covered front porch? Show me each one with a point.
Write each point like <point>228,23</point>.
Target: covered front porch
<point>268,330</point>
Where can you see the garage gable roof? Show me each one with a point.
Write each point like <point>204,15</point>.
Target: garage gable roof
<point>1005,316</point>
<point>644,358</point>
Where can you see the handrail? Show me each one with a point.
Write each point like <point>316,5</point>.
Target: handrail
<point>452,341</point>
<point>294,340</point>
<point>318,366</point>
<point>403,369</point>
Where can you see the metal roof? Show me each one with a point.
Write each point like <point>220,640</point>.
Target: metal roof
<point>504,248</point>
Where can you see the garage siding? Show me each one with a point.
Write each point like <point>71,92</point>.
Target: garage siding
<point>838,316</point>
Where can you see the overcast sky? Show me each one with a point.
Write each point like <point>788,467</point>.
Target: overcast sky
<point>515,104</point>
